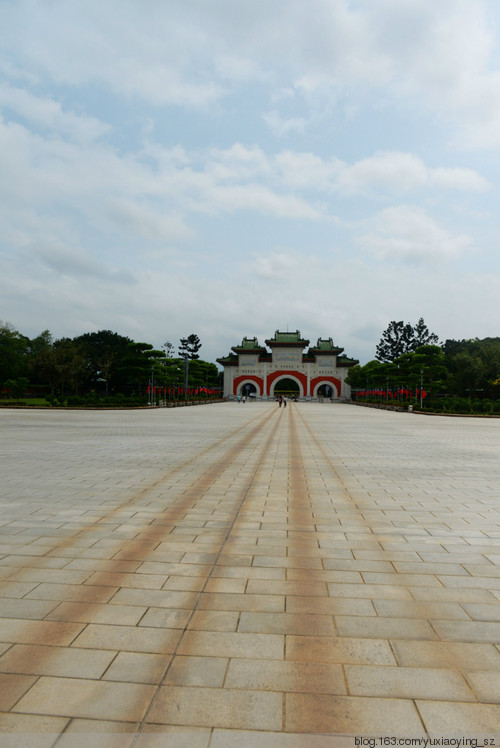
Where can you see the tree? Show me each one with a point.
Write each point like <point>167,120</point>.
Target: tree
<point>17,387</point>
<point>400,338</point>
<point>43,359</point>
<point>13,352</point>
<point>103,351</point>
<point>473,366</point>
<point>173,371</point>
<point>370,374</point>
<point>69,364</point>
<point>189,347</point>
<point>139,362</point>
<point>423,336</point>
<point>203,374</point>
<point>168,347</point>
<point>428,362</point>
<point>396,340</point>
<point>355,376</point>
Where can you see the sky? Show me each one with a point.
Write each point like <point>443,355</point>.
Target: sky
<point>230,168</point>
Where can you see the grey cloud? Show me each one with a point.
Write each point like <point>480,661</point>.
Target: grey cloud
<point>68,261</point>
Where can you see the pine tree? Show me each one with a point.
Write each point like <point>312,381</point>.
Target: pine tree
<point>396,340</point>
<point>189,347</point>
<point>423,336</point>
<point>401,337</point>
<point>168,347</point>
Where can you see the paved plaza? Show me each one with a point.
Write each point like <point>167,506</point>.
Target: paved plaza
<point>248,575</point>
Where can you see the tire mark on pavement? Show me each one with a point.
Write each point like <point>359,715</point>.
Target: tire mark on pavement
<point>66,634</point>
<point>239,503</point>
<point>136,498</point>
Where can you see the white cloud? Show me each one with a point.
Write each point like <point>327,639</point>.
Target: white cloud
<point>259,198</point>
<point>134,132</point>
<point>67,260</point>
<point>280,266</point>
<point>130,215</point>
<point>148,53</point>
<point>459,179</point>
<point>404,172</point>
<point>439,56</point>
<point>281,125</point>
<point>400,171</point>
<point>238,162</point>
<point>407,233</point>
<point>307,171</point>
<point>152,194</point>
<point>383,173</point>
<point>47,113</point>
<point>321,297</point>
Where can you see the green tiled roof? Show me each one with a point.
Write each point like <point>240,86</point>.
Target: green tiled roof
<point>325,345</point>
<point>232,358</point>
<point>287,338</point>
<point>249,344</point>
<point>346,361</point>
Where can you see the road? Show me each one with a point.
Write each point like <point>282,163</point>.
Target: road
<point>244,574</point>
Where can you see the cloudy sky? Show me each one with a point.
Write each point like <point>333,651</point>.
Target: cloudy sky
<point>230,168</point>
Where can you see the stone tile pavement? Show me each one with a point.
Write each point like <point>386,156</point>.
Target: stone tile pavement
<point>248,575</point>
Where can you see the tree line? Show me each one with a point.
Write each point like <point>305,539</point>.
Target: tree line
<point>412,365</point>
<point>100,366</point>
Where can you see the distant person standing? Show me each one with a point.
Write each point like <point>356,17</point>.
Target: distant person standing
<point>284,400</point>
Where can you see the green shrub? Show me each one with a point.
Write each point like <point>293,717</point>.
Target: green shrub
<point>482,406</point>
<point>436,406</point>
<point>74,401</point>
<point>459,405</point>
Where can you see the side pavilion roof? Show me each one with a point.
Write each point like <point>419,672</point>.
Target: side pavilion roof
<point>249,345</point>
<point>324,346</point>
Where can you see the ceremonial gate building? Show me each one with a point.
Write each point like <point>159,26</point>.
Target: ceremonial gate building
<point>251,370</point>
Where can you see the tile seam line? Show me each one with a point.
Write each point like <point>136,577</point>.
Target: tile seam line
<point>239,506</point>
<point>300,498</point>
<point>144,491</point>
<point>364,523</point>
<point>179,505</point>
<point>361,521</point>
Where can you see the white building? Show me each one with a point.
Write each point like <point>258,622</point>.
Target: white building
<point>318,373</point>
